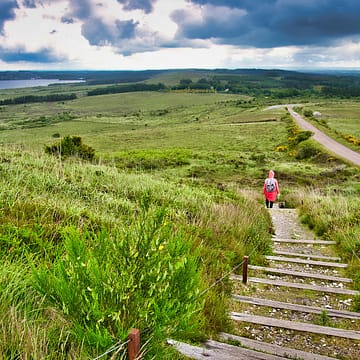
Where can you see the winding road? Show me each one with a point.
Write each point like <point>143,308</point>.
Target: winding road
<point>335,147</point>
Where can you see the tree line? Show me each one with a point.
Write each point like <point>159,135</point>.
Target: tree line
<point>37,98</point>
<point>116,89</point>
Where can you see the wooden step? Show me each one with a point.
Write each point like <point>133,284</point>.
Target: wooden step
<point>302,286</point>
<point>306,262</point>
<point>308,256</point>
<point>296,307</point>
<point>272,348</point>
<point>295,325</point>
<point>299,274</point>
<point>220,351</point>
<point>313,242</point>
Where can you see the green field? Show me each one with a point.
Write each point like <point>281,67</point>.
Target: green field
<point>343,116</point>
<point>339,119</point>
<point>170,203</point>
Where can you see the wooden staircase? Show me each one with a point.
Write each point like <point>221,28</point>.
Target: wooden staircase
<point>298,301</point>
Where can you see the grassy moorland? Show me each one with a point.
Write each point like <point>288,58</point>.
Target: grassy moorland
<point>145,234</point>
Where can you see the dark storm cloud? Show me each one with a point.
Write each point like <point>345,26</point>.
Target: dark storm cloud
<point>44,55</point>
<point>271,23</point>
<point>100,33</point>
<point>96,30</point>
<point>30,4</point>
<point>7,12</point>
<point>67,20</point>
<point>145,5</point>
<point>231,3</point>
<point>80,9</point>
<point>33,4</point>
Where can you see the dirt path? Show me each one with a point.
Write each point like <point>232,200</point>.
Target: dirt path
<point>335,147</point>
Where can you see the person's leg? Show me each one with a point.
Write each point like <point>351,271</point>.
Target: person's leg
<point>271,204</point>
<point>267,202</point>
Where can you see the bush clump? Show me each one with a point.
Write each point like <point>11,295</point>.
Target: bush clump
<point>71,146</point>
<point>352,139</point>
<point>306,150</point>
<point>146,276</point>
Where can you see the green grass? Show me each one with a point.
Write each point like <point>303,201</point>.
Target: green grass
<point>109,251</point>
<point>334,216</point>
<point>170,204</point>
<point>342,116</point>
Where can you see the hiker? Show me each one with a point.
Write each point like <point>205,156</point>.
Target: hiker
<point>271,189</point>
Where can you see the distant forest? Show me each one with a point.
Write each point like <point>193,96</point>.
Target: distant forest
<point>37,98</point>
<point>91,77</point>
<point>253,82</point>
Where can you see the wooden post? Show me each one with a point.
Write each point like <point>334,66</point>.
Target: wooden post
<point>245,269</point>
<point>134,344</point>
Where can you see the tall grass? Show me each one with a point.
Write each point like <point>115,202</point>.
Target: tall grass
<point>28,329</point>
<point>335,216</point>
<point>93,251</point>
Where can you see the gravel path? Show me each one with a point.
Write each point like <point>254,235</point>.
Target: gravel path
<point>335,147</point>
<point>289,330</point>
<point>287,226</point>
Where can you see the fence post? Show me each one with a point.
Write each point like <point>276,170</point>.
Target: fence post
<point>134,344</point>
<point>245,269</point>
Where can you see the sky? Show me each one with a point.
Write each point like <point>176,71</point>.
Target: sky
<point>166,34</point>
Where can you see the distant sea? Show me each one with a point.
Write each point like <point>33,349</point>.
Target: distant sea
<point>17,84</point>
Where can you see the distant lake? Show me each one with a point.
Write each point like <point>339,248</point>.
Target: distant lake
<point>16,84</point>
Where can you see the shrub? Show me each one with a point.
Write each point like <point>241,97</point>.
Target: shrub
<point>71,146</point>
<point>281,148</point>
<point>308,113</point>
<point>302,136</point>
<point>147,276</point>
<point>306,150</point>
<point>352,139</point>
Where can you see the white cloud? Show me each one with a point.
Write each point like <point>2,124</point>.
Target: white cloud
<point>176,34</point>
<point>33,26</point>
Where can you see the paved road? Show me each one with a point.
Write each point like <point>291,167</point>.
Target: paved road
<point>335,147</point>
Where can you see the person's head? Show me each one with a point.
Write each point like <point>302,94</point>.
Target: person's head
<point>271,174</point>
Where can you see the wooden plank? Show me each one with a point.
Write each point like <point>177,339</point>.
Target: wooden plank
<point>300,274</point>
<point>273,349</point>
<point>296,307</point>
<point>220,351</point>
<point>296,326</point>
<point>308,256</point>
<point>240,352</point>
<point>314,242</point>
<point>305,261</point>
<point>304,286</point>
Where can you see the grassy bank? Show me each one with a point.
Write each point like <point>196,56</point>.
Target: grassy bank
<point>335,215</point>
<point>89,252</point>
